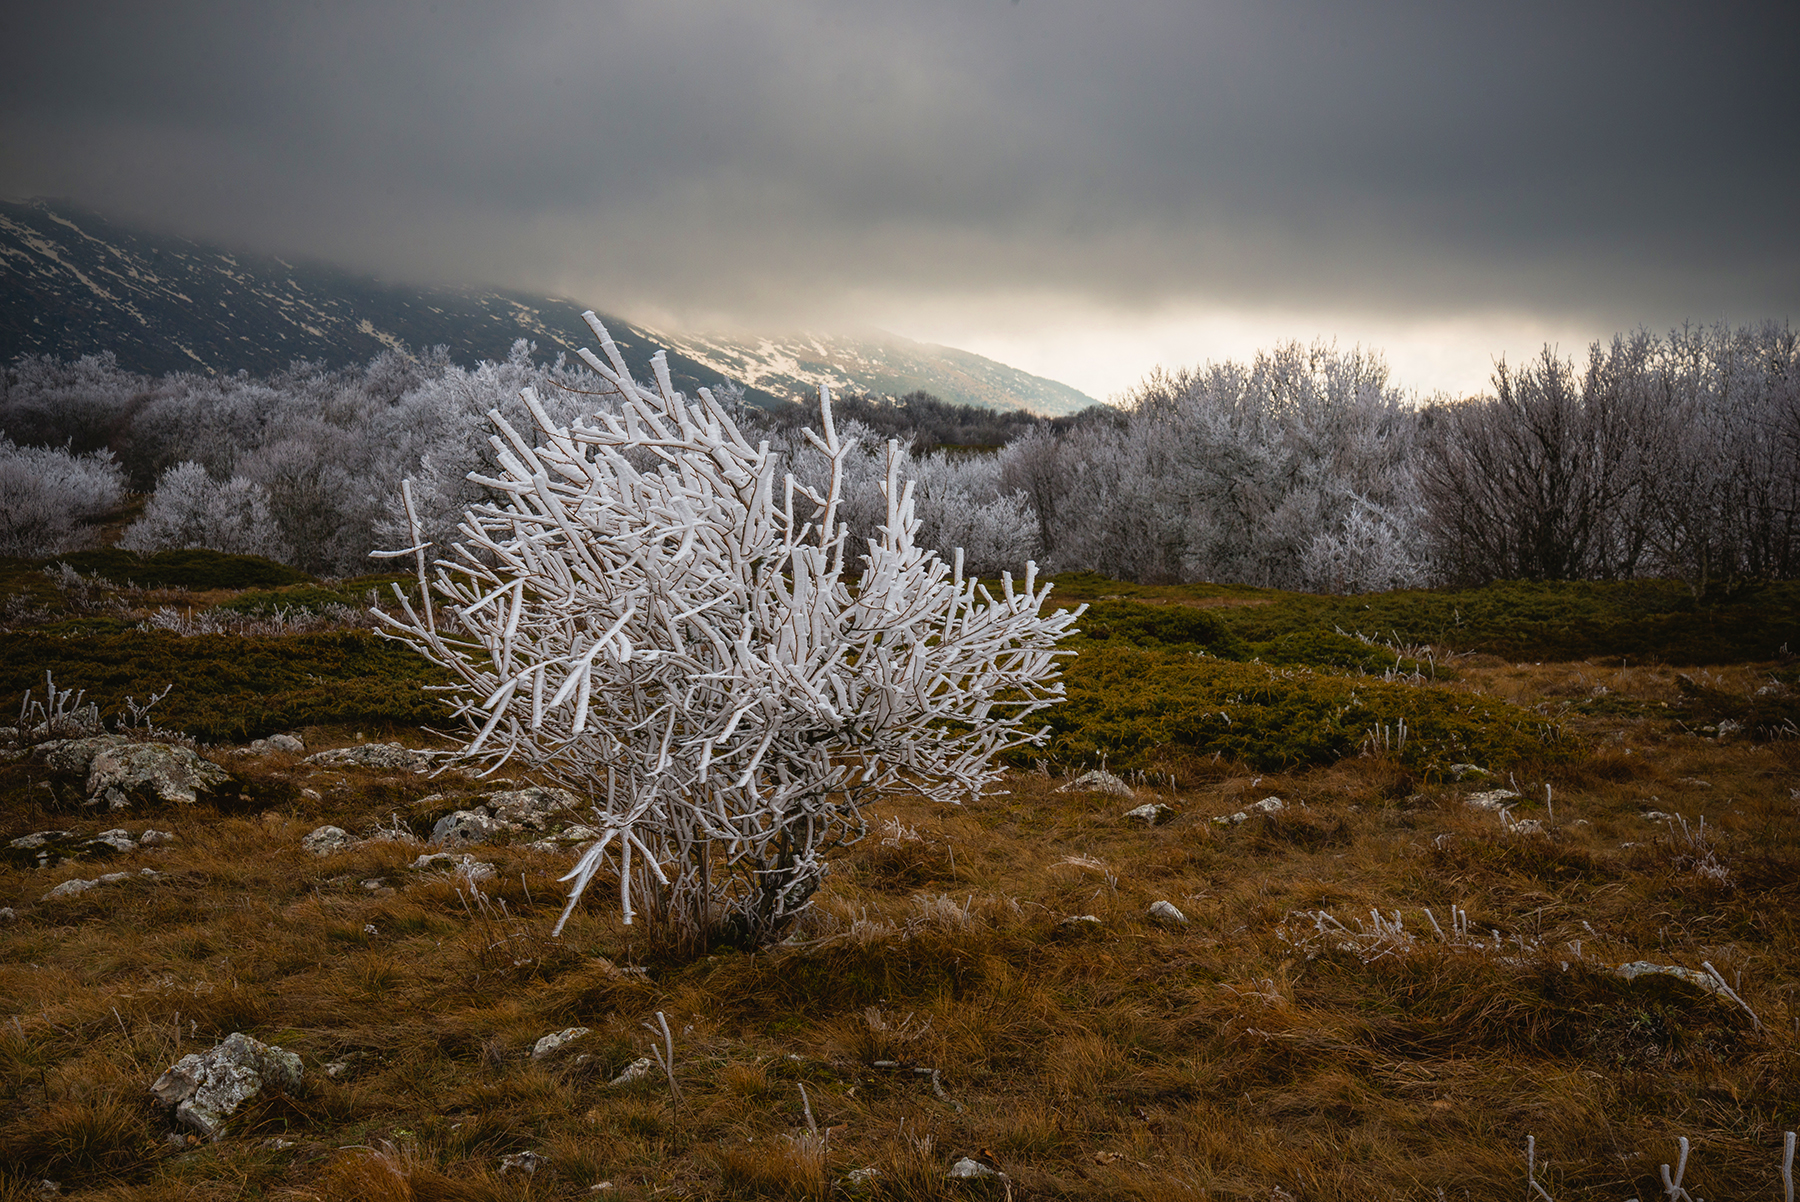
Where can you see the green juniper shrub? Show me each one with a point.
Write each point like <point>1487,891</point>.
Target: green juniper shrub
<point>1129,704</point>
<point>232,688</point>
<point>192,569</point>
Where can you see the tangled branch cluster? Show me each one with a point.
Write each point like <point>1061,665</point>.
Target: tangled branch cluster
<point>647,614</point>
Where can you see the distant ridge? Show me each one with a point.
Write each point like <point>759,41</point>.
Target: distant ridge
<point>73,282</point>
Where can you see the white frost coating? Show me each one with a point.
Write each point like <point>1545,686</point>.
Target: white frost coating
<point>648,615</point>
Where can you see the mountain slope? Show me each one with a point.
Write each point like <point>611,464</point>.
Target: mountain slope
<point>73,282</point>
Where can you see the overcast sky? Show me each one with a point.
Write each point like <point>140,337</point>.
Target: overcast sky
<point>1082,189</point>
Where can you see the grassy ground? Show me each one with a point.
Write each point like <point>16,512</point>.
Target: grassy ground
<point>1256,1052</point>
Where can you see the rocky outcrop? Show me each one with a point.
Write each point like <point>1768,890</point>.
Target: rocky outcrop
<point>119,773</point>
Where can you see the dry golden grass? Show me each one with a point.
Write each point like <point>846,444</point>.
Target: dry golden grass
<point>1115,1058</point>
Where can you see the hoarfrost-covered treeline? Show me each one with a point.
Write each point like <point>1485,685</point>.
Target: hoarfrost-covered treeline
<point>1306,468</point>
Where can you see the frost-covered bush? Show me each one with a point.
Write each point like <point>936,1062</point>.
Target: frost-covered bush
<point>1294,471</point>
<point>959,498</point>
<point>47,496</point>
<point>650,612</point>
<point>191,509</point>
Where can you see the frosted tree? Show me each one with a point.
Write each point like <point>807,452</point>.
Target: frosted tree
<point>190,509</point>
<point>648,613</point>
<point>49,496</point>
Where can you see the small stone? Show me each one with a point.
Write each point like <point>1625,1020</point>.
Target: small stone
<point>1097,781</point>
<point>641,1069</point>
<point>551,1044</point>
<point>326,840</point>
<point>1642,968</point>
<point>116,840</point>
<point>465,866</point>
<point>1492,799</point>
<point>1268,805</point>
<point>1153,814</point>
<point>968,1169</point>
<point>391,756</point>
<point>1165,912</point>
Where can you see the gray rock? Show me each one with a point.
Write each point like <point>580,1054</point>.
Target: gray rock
<point>465,866</point>
<point>1492,799</point>
<point>42,849</point>
<point>391,756</point>
<point>326,840</point>
<point>465,827</point>
<point>549,1045</point>
<point>73,887</point>
<point>1166,913</point>
<point>1644,968</point>
<point>535,806</point>
<point>117,772</point>
<point>1098,781</point>
<point>207,1088</point>
<point>1153,814</point>
<point>641,1069</point>
<point>114,840</point>
<point>967,1169</point>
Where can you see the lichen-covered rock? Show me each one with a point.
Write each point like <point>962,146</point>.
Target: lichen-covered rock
<point>207,1088</point>
<point>1646,968</point>
<point>117,772</point>
<point>324,840</point>
<point>1491,799</point>
<point>71,888</point>
<point>551,1044</point>
<point>1098,781</point>
<point>641,1069</point>
<point>465,827</point>
<point>534,806</point>
<point>391,756</point>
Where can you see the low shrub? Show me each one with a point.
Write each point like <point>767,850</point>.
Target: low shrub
<point>192,569</point>
<point>1133,705</point>
<point>233,688</point>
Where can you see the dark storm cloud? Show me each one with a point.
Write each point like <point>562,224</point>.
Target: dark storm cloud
<point>1629,159</point>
